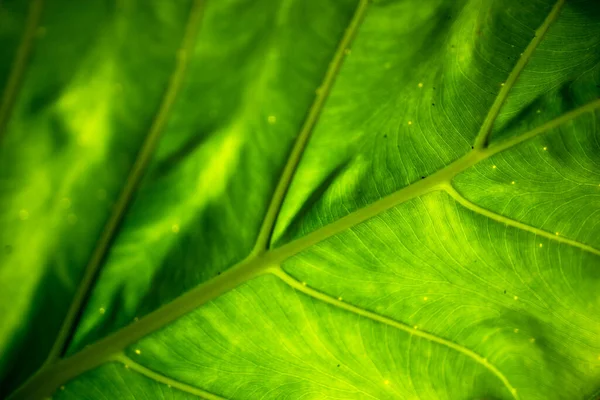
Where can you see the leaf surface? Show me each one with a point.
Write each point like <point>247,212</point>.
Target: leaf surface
<point>300,199</point>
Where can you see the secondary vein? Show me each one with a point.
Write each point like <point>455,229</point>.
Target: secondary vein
<point>129,363</point>
<point>511,222</point>
<point>291,281</point>
<point>20,63</point>
<point>266,230</point>
<point>482,138</point>
<point>133,180</point>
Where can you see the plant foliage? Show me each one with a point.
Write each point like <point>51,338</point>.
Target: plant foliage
<point>300,199</point>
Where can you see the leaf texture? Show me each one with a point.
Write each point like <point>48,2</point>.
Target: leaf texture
<point>300,199</point>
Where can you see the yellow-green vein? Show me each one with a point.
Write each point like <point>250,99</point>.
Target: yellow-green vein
<point>264,236</point>
<point>288,279</point>
<point>486,128</point>
<point>130,364</point>
<point>20,63</point>
<point>508,221</point>
<point>135,176</point>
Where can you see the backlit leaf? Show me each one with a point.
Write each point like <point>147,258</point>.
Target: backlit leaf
<point>300,199</point>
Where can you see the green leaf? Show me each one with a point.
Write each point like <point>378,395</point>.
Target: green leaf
<point>300,199</point>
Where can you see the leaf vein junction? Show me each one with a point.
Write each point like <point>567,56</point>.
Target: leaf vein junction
<point>486,128</point>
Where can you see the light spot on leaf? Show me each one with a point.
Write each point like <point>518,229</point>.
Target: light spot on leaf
<point>175,228</point>
<point>65,202</point>
<point>23,215</point>
<point>272,119</point>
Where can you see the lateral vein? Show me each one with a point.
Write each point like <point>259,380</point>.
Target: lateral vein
<point>20,63</point>
<point>50,377</point>
<point>133,180</point>
<point>129,363</point>
<point>291,281</point>
<point>482,138</point>
<point>511,222</point>
<point>266,230</point>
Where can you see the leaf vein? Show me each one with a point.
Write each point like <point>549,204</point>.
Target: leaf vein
<point>266,229</point>
<point>127,193</point>
<point>291,281</point>
<point>20,63</point>
<point>516,224</point>
<point>129,363</point>
<point>482,138</point>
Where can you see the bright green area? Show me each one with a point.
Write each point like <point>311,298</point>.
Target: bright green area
<point>115,381</point>
<point>551,182</point>
<point>249,85</point>
<point>422,80</point>
<point>403,263</point>
<point>86,102</point>
<point>275,342</point>
<point>526,304</point>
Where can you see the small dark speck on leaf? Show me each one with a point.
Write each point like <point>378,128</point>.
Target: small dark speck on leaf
<point>472,147</point>
<point>338,365</point>
<point>504,291</point>
<point>422,177</point>
<point>433,104</point>
<point>219,273</point>
<point>385,136</point>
